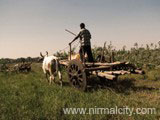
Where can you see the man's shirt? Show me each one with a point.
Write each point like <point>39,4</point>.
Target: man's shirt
<point>85,37</point>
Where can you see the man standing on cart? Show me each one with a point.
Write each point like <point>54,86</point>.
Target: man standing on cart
<point>85,37</point>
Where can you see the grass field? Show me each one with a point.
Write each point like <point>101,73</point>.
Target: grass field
<point>29,96</point>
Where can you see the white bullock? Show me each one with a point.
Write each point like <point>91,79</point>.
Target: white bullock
<point>51,67</point>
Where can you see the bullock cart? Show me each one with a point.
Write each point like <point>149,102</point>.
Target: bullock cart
<point>79,72</point>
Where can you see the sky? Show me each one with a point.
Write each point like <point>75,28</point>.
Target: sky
<point>28,27</point>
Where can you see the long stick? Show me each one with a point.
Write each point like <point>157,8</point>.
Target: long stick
<point>70,32</point>
<point>70,44</point>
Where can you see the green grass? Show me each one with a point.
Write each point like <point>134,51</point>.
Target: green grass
<point>29,96</point>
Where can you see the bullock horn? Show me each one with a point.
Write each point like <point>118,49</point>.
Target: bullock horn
<point>47,53</point>
<point>41,55</point>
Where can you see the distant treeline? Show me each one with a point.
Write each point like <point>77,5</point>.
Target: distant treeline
<point>19,60</point>
<point>146,56</point>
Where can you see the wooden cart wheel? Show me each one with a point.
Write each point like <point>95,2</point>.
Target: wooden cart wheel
<point>77,75</point>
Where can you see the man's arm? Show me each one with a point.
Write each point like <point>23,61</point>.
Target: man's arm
<point>75,38</point>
